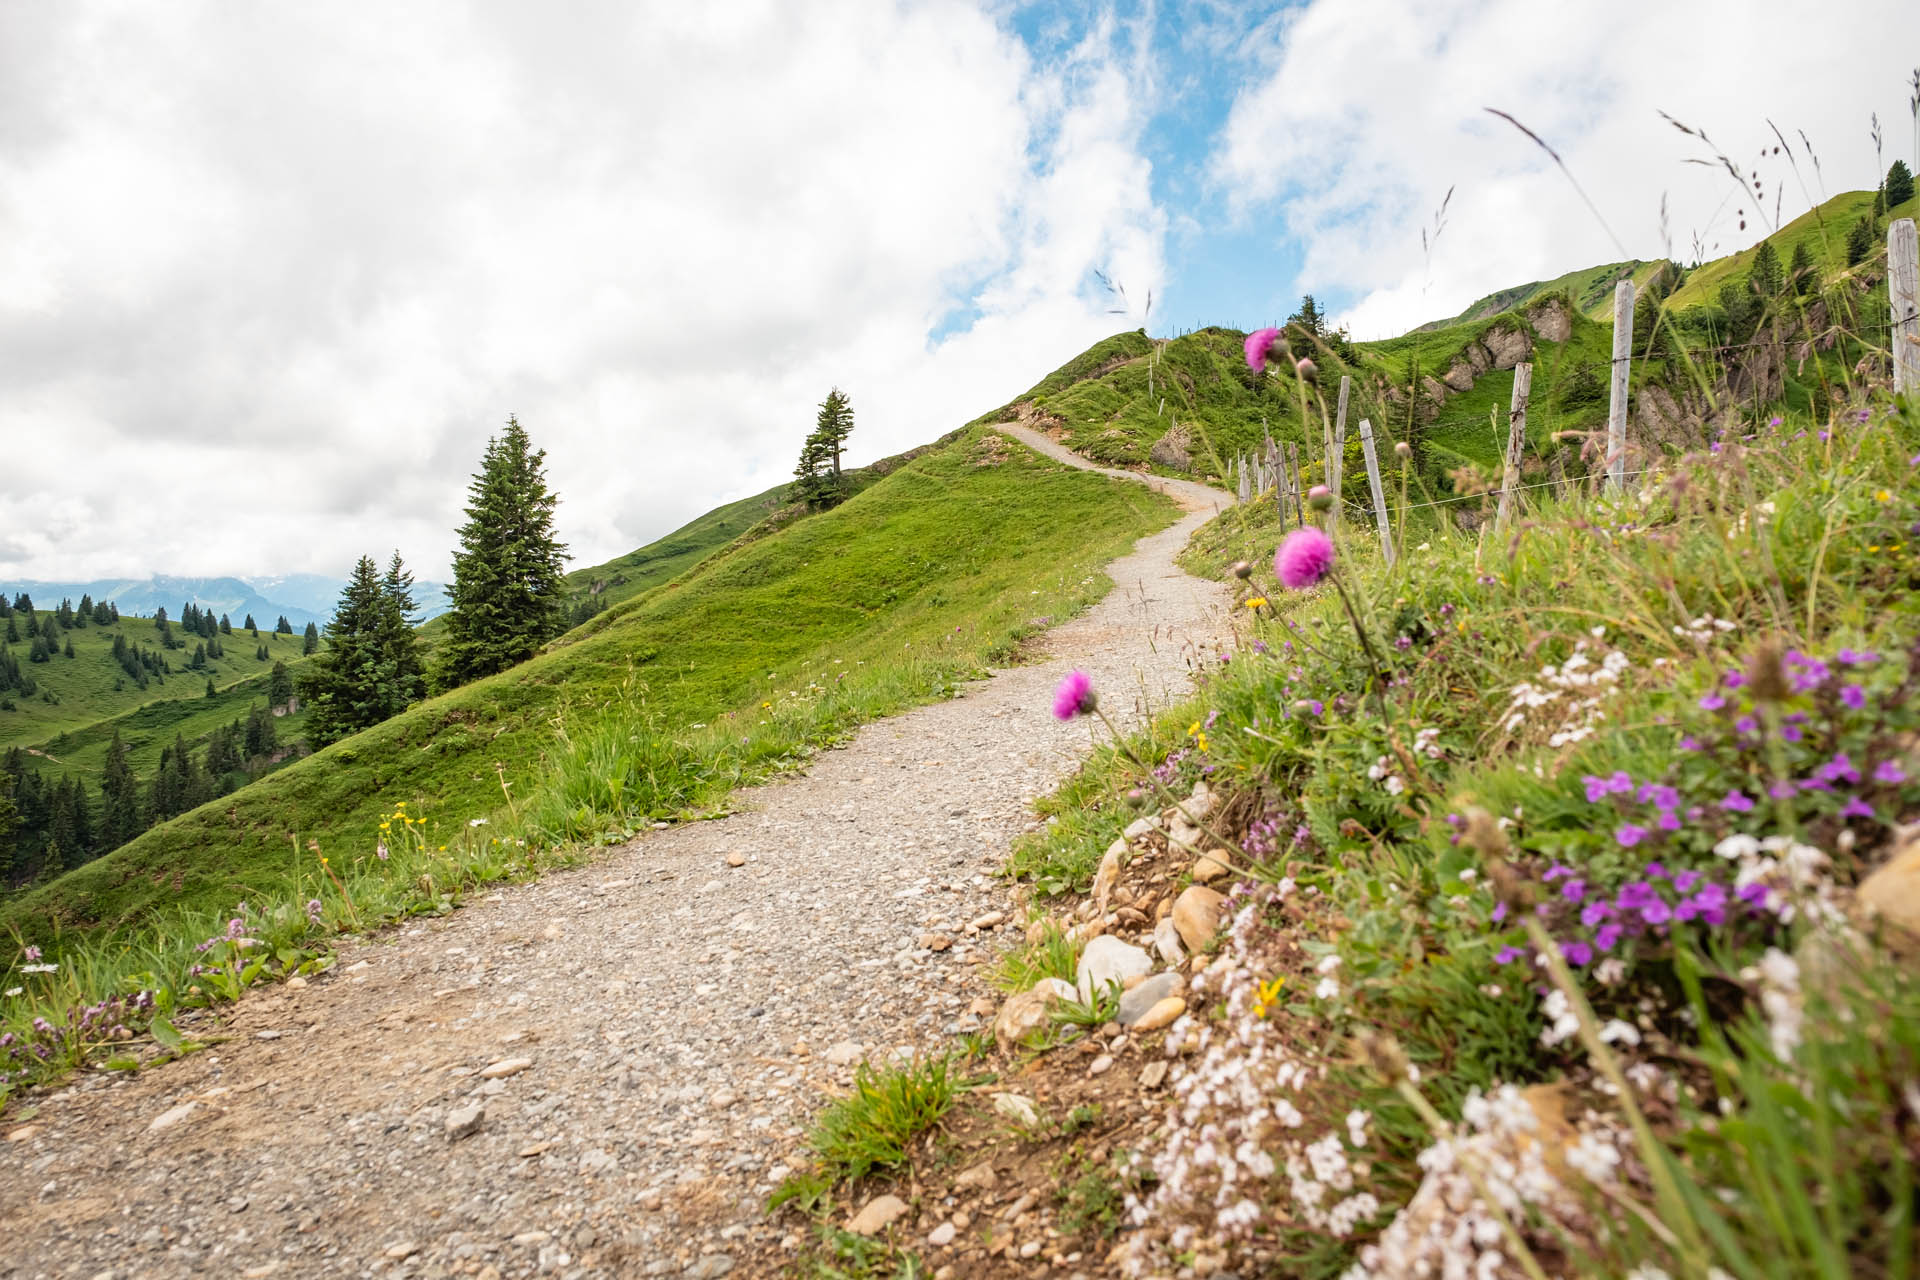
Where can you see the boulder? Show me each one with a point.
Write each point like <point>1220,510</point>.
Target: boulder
<point>1108,874</point>
<point>1506,347</point>
<point>1109,961</point>
<point>1027,1012</point>
<point>1890,897</point>
<point>1166,941</point>
<point>1162,1014</point>
<point>1551,320</point>
<point>1209,867</point>
<point>1196,915</point>
<point>880,1213</point>
<point>1137,1000</point>
<point>1171,449</point>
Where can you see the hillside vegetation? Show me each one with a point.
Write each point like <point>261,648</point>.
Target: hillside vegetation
<point>891,598</point>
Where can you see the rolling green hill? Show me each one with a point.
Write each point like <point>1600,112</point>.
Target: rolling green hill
<point>624,577</point>
<point>885,600</point>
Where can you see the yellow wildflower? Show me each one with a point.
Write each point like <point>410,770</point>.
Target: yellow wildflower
<point>1256,602</point>
<point>1882,496</point>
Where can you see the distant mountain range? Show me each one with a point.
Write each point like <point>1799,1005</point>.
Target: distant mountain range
<point>302,597</point>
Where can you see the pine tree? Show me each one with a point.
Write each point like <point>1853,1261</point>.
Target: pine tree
<point>69,649</point>
<point>1860,240</point>
<point>279,686</point>
<point>84,614</point>
<point>13,632</point>
<point>226,627</point>
<point>260,654</point>
<point>9,823</point>
<point>1899,184</point>
<point>283,627</point>
<point>39,652</point>
<point>310,642</point>
<point>119,797</point>
<point>253,627</point>
<point>817,478</point>
<point>1801,277</point>
<point>508,596</point>
<point>1765,274</point>
<point>371,669</point>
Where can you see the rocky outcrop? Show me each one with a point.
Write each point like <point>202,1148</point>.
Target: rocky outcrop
<point>1551,320</point>
<point>1498,348</point>
<point>1173,449</point>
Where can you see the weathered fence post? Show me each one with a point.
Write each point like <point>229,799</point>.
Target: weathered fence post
<point>1903,298</point>
<point>1379,495</point>
<point>1622,368</point>
<point>1298,482</point>
<point>1516,440</point>
<point>1336,450</point>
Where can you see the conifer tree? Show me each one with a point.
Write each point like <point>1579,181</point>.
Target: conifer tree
<point>508,596</point>
<point>371,669</point>
<point>226,627</point>
<point>279,686</point>
<point>1899,184</point>
<point>1765,274</point>
<point>817,478</point>
<point>69,649</point>
<point>119,797</point>
<point>9,823</point>
<point>13,632</point>
<point>1800,273</point>
<point>310,642</point>
<point>253,628</point>
<point>1860,240</point>
<point>84,614</point>
<point>283,627</point>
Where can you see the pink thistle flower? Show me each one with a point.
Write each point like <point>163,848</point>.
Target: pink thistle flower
<point>1075,696</point>
<point>1303,559</point>
<point>1259,342</point>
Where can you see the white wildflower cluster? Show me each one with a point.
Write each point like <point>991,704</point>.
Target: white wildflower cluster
<point>1381,771</point>
<point>1562,1022</point>
<point>1427,743</point>
<point>1570,695</point>
<point>1703,629</point>
<point>1784,877</point>
<point>1510,1149</point>
<point>1234,1108</point>
<point>1778,978</point>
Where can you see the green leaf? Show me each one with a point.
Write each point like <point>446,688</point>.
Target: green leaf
<point>163,1033</point>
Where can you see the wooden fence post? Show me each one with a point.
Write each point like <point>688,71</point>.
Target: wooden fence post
<point>1516,440</point>
<point>1336,450</point>
<point>1299,482</point>
<point>1379,495</point>
<point>1622,369</point>
<point>1903,298</point>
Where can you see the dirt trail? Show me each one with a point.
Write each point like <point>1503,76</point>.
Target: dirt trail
<point>632,1030</point>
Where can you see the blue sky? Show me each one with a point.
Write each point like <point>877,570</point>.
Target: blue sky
<point>276,258</point>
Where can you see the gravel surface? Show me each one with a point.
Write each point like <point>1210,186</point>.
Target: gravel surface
<point>605,1072</point>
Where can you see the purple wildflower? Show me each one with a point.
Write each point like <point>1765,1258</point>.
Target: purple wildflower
<point>1889,772</point>
<point>1712,702</point>
<point>1303,559</point>
<point>1629,835</point>
<point>1853,696</point>
<point>1855,807</point>
<point>1508,954</point>
<point>1736,802</point>
<point>1574,890</point>
<point>1596,788</point>
<point>1075,696</point>
<point>1259,344</point>
<point>1594,913</point>
<point>1606,935</point>
<point>1499,912</point>
<point>1576,953</point>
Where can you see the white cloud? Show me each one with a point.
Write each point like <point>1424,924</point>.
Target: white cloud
<point>270,276</point>
<point>1370,109</point>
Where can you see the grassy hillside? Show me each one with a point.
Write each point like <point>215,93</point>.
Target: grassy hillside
<point>885,600</point>
<point>1823,231</point>
<point>81,691</point>
<point>665,558</point>
<point>1590,290</point>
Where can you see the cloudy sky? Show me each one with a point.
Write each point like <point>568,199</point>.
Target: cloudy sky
<point>271,273</point>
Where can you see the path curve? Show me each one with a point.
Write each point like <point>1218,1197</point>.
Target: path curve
<point>659,999</point>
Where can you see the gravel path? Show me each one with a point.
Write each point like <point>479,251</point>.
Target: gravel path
<point>635,1046</point>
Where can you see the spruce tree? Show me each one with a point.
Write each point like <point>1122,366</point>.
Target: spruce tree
<point>1764,273</point>
<point>371,668</point>
<point>279,686</point>
<point>508,596</point>
<point>9,823</point>
<point>817,478</point>
<point>283,627</point>
<point>1800,274</point>
<point>119,797</point>
<point>69,649</point>
<point>1899,184</point>
<point>226,627</point>
<point>1860,240</point>
<point>310,642</point>
<point>253,628</point>
<point>13,632</point>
